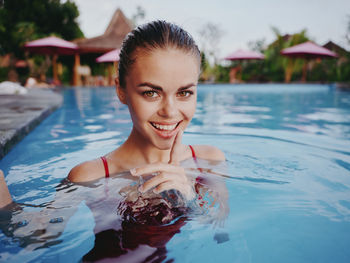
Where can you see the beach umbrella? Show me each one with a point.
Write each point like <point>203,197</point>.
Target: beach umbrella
<point>52,46</point>
<point>241,55</point>
<point>244,55</point>
<point>111,56</point>
<point>307,51</point>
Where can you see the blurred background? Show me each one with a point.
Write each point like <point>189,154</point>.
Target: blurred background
<point>220,28</point>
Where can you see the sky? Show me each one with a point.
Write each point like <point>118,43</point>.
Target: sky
<point>240,21</point>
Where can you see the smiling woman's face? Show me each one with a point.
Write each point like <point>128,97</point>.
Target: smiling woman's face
<point>161,93</point>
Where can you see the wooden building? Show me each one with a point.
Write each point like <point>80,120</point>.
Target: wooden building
<point>112,38</point>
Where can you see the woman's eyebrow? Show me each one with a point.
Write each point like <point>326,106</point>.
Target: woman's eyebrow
<point>147,84</point>
<point>156,87</point>
<point>187,86</point>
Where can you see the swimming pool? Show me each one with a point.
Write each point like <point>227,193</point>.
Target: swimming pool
<point>287,174</point>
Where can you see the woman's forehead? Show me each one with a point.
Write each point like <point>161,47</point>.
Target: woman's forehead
<point>162,66</point>
<point>143,55</point>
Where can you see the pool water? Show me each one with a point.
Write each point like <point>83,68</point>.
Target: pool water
<point>287,175</point>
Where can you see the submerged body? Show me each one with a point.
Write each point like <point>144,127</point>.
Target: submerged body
<point>128,223</point>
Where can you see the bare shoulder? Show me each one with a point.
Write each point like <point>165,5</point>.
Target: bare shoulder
<point>209,152</point>
<point>87,171</point>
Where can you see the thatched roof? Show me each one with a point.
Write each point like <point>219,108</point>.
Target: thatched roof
<point>335,48</point>
<point>112,38</point>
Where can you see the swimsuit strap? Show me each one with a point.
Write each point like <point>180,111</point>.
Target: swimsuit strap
<point>105,164</point>
<point>193,153</point>
<point>195,159</point>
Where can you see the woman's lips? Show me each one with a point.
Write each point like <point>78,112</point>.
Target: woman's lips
<point>167,127</point>
<point>165,131</point>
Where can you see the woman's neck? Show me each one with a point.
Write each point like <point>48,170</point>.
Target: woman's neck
<point>143,151</point>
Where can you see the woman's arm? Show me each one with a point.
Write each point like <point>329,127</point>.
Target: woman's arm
<point>36,225</point>
<point>5,197</point>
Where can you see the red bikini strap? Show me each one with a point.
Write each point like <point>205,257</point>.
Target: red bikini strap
<point>195,160</point>
<point>105,164</point>
<point>193,153</point>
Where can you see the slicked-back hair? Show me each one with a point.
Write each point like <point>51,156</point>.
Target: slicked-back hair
<point>148,37</point>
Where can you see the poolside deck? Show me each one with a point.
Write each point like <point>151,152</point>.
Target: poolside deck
<point>20,114</point>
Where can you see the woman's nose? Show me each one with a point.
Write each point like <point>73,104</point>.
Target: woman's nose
<point>168,108</point>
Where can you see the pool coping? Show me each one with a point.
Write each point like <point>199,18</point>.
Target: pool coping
<point>20,114</point>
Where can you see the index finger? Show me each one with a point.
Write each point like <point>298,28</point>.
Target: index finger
<point>175,152</point>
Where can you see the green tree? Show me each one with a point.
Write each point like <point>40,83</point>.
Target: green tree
<point>258,45</point>
<point>139,15</point>
<point>210,36</point>
<point>347,34</point>
<point>277,67</point>
<point>23,20</point>
<point>205,68</point>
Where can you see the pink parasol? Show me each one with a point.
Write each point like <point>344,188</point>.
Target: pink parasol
<point>244,55</point>
<point>307,50</point>
<point>52,46</point>
<point>111,56</point>
<point>241,55</point>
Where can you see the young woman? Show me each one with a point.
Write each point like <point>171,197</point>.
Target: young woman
<point>158,74</point>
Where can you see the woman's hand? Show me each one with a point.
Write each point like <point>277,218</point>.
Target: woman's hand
<point>167,175</point>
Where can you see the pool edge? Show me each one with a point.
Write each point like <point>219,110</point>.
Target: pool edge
<point>20,114</point>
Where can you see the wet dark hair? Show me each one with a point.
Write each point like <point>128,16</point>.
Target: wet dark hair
<point>150,36</point>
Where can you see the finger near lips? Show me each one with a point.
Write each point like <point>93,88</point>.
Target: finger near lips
<point>176,149</point>
<point>167,175</point>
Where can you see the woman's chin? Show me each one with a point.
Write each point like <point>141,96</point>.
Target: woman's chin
<point>164,145</point>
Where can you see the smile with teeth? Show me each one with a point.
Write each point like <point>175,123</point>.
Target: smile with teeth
<point>164,127</point>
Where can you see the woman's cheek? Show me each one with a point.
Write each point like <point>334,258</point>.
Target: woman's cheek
<point>143,110</point>
<point>190,109</point>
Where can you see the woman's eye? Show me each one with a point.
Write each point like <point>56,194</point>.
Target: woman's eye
<point>150,94</point>
<point>185,93</point>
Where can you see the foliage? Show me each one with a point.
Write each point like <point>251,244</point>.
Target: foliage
<point>279,64</point>
<point>258,45</point>
<point>23,20</point>
<point>278,68</point>
<point>347,34</point>
<point>210,35</point>
<point>3,73</point>
<point>221,73</point>
<point>205,68</point>
<point>331,70</point>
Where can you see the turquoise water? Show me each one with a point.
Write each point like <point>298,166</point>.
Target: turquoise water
<point>287,175</point>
